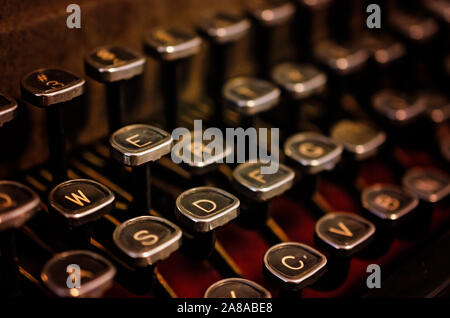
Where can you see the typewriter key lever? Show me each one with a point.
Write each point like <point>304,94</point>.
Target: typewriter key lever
<point>268,15</point>
<point>113,65</point>
<point>8,109</point>
<point>78,274</point>
<point>137,146</point>
<point>201,210</point>
<point>17,205</point>
<point>222,29</point>
<point>172,47</point>
<point>258,189</point>
<point>52,89</point>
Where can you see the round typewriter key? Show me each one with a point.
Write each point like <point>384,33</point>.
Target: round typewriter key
<point>346,64</point>
<point>271,12</point>
<point>396,107</point>
<point>197,156</point>
<point>172,46</point>
<point>113,65</point>
<point>222,29</point>
<point>236,288</point>
<point>430,185</point>
<point>81,201</point>
<point>17,205</point>
<point>300,83</point>
<point>420,32</point>
<point>388,202</point>
<point>51,89</point>
<point>341,59</point>
<point>78,274</point>
<point>8,109</point>
<point>313,152</point>
<point>293,266</point>
<point>268,15</point>
<point>258,184</point>
<point>358,138</point>
<point>250,96</point>
<point>201,210</point>
<point>137,146</point>
<point>344,234</point>
<point>413,27</point>
<point>147,240</point>
<point>361,141</point>
<point>387,59</point>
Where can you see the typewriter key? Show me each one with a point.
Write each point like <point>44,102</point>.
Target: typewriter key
<point>309,15</point>
<point>387,61</point>
<point>201,210</point>
<point>8,109</point>
<point>52,89</point>
<point>398,108</point>
<point>222,29</point>
<point>300,83</point>
<point>80,201</point>
<point>113,65</point>
<point>78,274</point>
<point>345,64</point>
<point>413,27</point>
<point>258,189</point>
<point>197,156</point>
<point>342,235</point>
<point>341,59</point>
<point>172,46</point>
<point>293,266</point>
<point>268,15</point>
<point>358,138</point>
<point>361,142</point>
<point>430,185</point>
<point>313,152</point>
<point>138,146</point>
<point>17,205</point>
<point>147,240</point>
<point>250,96</point>
<point>236,288</point>
<point>388,203</point>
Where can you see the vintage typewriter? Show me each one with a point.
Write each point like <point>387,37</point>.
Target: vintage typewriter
<point>94,204</point>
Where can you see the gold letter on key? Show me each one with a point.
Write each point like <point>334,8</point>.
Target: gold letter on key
<point>144,235</point>
<point>283,261</point>
<point>197,204</point>
<point>77,199</point>
<point>136,142</point>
